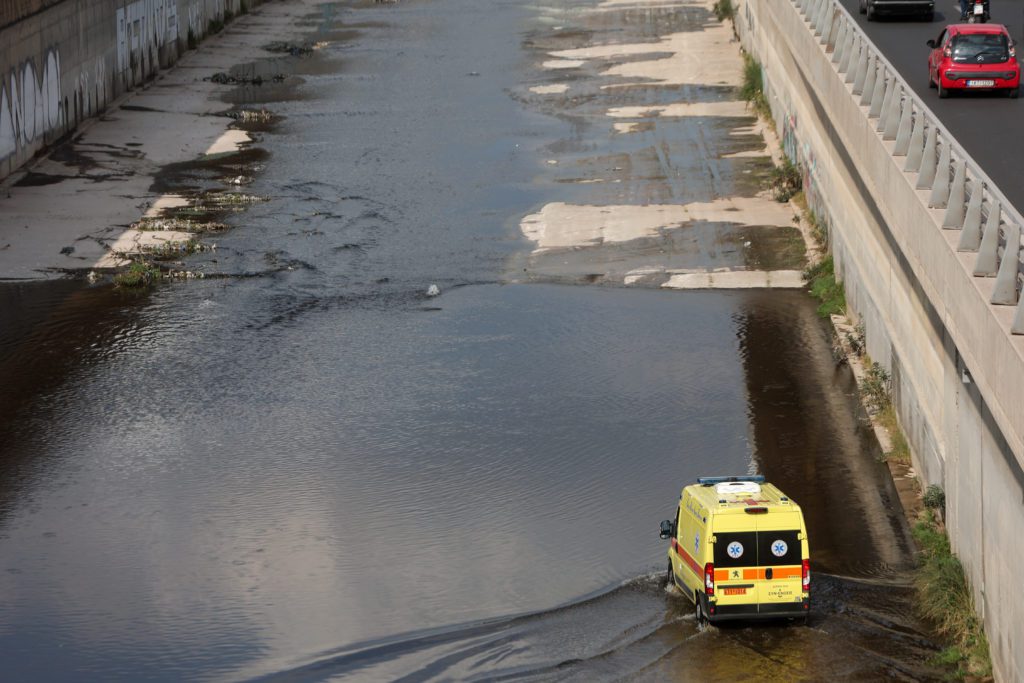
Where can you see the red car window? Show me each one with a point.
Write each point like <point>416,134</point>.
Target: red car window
<point>981,48</point>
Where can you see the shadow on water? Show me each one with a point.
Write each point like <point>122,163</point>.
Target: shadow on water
<point>48,332</point>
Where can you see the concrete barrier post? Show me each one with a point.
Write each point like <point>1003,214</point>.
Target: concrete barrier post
<point>892,114</point>
<point>824,19</point>
<point>837,54</point>
<point>903,132</point>
<point>878,96</point>
<point>812,14</point>
<point>831,24</point>
<point>1018,320</point>
<point>890,87</point>
<point>940,188</point>
<point>926,176</point>
<point>1005,293</point>
<point>985,266</point>
<point>862,72</point>
<point>970,236</point>
<point>954,217</point>
<point>915,150</point>
<point>858,48</point>
<point>869,82</point>
<point>844,62</point>
<point>818,18</point>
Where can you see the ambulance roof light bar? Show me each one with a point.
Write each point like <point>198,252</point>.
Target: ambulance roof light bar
<point>712,481</point>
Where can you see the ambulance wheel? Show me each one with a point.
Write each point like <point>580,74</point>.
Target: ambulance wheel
<point>698,615</point>
<point>669,579</point>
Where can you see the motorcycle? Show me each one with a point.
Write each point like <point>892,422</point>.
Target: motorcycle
<point>977,12</point>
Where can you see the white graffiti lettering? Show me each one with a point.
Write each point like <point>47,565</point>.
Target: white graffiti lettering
<point>141,26</point>
<point>29,104</point>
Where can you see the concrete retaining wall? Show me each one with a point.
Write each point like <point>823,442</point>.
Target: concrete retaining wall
<point>65,62</point>
<point>958,371</point>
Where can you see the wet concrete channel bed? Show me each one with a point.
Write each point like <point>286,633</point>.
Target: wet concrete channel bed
<point>302,467</point>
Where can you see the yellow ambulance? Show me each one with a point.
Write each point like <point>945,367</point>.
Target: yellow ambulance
<point>739,550</point>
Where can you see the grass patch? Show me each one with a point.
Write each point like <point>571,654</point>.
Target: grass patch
<point>822,280</point>
<point>138,274</point>
<point>900,448</point>
<point>752,89</point>
<point>944,598</point>
<point>723,10</point>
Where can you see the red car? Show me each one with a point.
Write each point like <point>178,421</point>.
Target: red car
<point>973,57</point>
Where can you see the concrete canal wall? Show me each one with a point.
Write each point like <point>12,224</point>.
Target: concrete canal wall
<point>63,61</point>
<point>929,253</point>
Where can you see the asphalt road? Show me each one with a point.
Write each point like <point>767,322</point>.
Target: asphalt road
<point>988,126</point>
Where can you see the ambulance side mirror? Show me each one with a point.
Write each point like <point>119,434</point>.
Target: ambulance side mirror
<point>931,42</point>
<point>667,528</point>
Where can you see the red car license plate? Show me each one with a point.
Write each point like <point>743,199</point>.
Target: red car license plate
<point>980,84</point>
<point>735,591</point>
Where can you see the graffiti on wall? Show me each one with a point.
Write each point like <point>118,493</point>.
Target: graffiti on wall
<point>195,14</point>
<point>143,27</point>
<point>29,103</point>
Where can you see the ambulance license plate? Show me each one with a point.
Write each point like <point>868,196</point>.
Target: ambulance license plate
<point>735,591</point>
<point>980,84</point>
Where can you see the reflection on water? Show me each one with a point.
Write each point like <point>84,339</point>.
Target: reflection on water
<point>306,470</point>
<point>395,470</point>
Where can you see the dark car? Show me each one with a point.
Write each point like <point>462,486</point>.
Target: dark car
<point>973,57</point>
<point>923,8</point>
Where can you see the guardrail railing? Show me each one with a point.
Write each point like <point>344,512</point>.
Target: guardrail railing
<point>989,225</point>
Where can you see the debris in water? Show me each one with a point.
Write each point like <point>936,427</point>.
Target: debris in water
<point>291,48</point>
<point>433,290</point>
<point>67,250</point>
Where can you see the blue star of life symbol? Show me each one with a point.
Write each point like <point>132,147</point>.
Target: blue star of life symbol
<point>735,549</point>
<point>779,548</point>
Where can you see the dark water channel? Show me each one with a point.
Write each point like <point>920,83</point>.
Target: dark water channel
<point>306,469</point>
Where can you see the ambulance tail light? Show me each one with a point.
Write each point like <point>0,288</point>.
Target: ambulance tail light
<point>709,578</point>
<point>805,574</point>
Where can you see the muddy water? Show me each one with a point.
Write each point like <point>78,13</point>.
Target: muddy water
<point>303,468</point>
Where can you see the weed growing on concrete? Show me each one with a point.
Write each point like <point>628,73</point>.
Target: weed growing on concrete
<point>875,388</point>
<point>822,280</point>
<point>243,8</point>
<point>177,224</point>
<point>138,274</point>
<point>255,116</point>
<point>752,89</point>
<point>174,249</point>
<point>723,9</point>
<point>192,42</point>
<point>944,598</point>
<point>228,16</point>
<point>214,26</point>
<point>785,181</point>
<point>934,498</point>
<point>856,340</point>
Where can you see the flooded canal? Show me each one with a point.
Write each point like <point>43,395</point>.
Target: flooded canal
<point>302,467</point>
